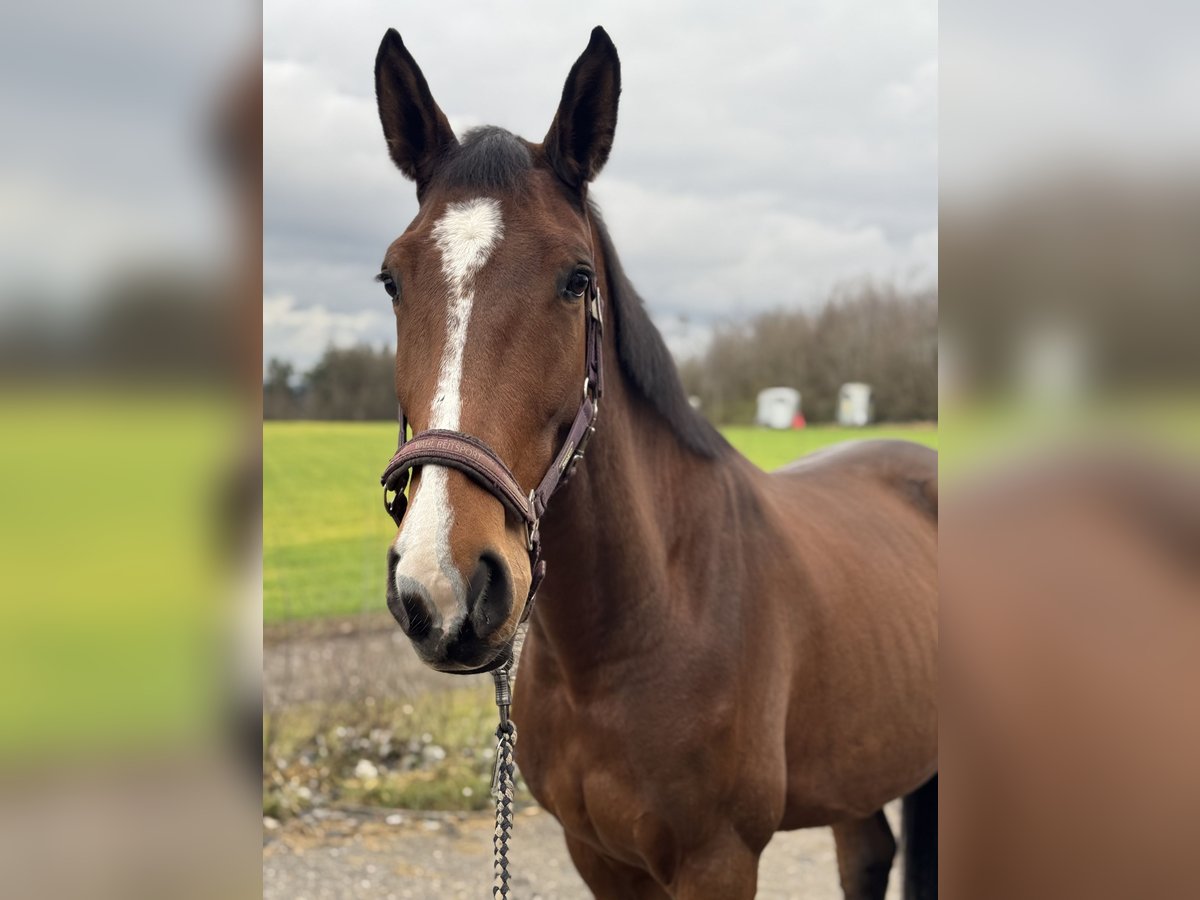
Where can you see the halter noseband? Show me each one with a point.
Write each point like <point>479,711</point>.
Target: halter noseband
<point>475,459</point>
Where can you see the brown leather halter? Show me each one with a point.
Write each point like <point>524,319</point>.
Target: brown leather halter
<point>474,458</point>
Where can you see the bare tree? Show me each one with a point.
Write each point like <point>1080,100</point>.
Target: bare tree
<point>281,400</point>
<point>867,332</point>
<point>352,383</point>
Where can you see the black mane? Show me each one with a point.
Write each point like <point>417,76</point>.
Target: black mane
<point>645,359</point>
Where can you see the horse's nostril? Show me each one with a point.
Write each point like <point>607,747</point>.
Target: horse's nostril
<point>408,601</point>
<point>489,595</point>
<point>416,608</point>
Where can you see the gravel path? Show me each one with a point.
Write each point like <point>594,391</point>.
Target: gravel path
<point>415,856</point>
<point>337,660</point>
<point>330,854</point>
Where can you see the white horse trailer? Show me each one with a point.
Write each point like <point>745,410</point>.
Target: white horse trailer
<point>777,407</point>
<point>854,405</point>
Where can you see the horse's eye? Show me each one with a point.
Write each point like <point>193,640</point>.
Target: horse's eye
<point>578,283</point>
<point>389,285</point>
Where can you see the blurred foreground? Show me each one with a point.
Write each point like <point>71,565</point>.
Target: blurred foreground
<point>130,272</point>
<point>1070,528</point>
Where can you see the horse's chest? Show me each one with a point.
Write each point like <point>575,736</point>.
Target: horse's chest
<point>561,757</point>
<point>594,780</point>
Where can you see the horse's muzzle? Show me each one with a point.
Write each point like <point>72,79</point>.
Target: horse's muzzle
<point>453,633</point>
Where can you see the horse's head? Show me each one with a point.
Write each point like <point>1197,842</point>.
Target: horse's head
<point>488,284</point>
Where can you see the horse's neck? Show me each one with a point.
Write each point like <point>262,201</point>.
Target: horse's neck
<point>617,539</point>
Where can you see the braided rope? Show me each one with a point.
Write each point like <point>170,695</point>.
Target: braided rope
<point>503,785</point>
<point>506,736</point>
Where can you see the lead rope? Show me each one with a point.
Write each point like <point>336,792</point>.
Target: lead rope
<point>502,778</point>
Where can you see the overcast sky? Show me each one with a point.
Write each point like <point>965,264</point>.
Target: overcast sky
<point>106,158</point>
<point>762,154</point>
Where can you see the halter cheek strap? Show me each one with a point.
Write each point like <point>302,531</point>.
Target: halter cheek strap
<point>479,462</point>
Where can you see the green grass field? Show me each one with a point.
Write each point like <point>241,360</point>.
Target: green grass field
<point>113,580</point>
<point>325,530</point>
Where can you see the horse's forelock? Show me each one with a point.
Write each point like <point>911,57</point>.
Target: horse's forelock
<point>487,159</point>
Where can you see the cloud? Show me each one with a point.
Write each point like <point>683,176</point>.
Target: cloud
<point>1030,94</point>
<point>763,154</point>
<point>301,334</point>
<point>914,99</point>
<point>684,336</point>
<point>107,163</point>
<point>717,258</point>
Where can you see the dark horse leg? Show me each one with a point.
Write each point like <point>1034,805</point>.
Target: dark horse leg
<point>865,848</point>
<point>920,819</point>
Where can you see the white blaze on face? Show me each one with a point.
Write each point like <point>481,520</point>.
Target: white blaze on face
<point>466,234</point>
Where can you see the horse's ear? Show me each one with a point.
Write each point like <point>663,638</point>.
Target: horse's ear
<point>581,135</point>
<point>417,131</point>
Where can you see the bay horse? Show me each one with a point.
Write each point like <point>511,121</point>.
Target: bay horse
<point>716,653</point>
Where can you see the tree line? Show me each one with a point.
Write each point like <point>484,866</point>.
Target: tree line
<point>352,383</point>
<point>874,333</point>
<point>878,334</point>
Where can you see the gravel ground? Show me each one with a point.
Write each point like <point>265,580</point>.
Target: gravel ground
<point>330,854</point>
<point>334,660</point>
<point>336,855</point>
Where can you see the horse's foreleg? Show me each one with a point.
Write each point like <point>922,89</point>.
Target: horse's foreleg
<point>607,878</point>
<point>724,870</point>
<point>865,848</point>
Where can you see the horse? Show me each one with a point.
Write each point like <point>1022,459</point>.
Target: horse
<point>716,653</point>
